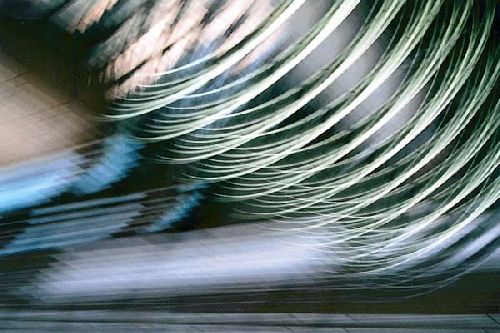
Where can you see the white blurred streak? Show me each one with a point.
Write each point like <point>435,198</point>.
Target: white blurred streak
<point>331,48</point>
<point>203,262</point>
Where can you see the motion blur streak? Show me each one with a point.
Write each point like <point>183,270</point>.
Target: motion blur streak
<point>251,156</point>
<point>233,258</point>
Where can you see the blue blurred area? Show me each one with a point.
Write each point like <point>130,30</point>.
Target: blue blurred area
<point>30,184</point>
<point>120,154</point>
